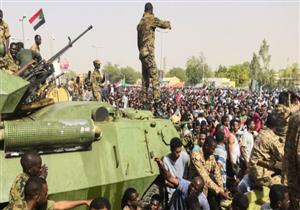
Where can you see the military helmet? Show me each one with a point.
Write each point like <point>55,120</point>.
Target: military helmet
<point>97,61</point>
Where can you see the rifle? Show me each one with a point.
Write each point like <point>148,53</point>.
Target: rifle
<point>39,74</point>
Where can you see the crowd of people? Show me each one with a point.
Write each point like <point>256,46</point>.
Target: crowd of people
<point>231,143</point>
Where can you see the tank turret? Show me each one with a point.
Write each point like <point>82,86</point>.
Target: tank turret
<point>91,148</point>
<point>12,89</point>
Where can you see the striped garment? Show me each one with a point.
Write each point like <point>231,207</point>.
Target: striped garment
<point>221,157</point>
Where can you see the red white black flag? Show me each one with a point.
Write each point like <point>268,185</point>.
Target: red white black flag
<point>37,19</point>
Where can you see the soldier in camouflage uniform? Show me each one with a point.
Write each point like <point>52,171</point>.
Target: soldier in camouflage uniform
<point>9,62</point>
<point>97,78</point>
<point>77,90</point>
<point>146,36</point>
<point>4,33</point>
<point>36,197</point>
<point>292,156</point>
<point>32,166</point>
<point>283,110</point>
<point>265,162</point>
<point>205,165</point>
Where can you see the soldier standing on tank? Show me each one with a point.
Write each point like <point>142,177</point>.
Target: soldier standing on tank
<point>37,42</point>
<point>146,37</point>
<point>97,79</point>
<point>4,33</point>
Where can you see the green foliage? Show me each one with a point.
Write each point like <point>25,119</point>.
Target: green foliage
<point>255,68</point>
<point>116,73</point>
<point>264,55</point>
<point>131,76</point>
<point>259,66</point>
<point>289,77</point>
<point>69,74</point>
<point>177,72</point>
<point>269,78</point>
<point>196,68</point>
<point>221,72</point>
<point>112,72</point>
<point>238,73</point>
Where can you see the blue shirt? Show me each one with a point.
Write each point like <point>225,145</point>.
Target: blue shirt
<point>196,148</point>
<point>182,193</point>
<point>221,158</point>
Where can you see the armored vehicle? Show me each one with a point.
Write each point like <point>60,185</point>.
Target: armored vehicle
<point>91,149</point>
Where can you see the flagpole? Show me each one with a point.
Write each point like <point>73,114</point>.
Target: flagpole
<point>23,32</point>
<point>50,39</point>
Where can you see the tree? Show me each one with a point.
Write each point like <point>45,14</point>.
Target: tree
<point>269,78</point>
<point>197,69</point>
<point>69,74</point>
<point>289,77</point>
<point>255,68</point>
<point>238,73</point>
<point>221,72</point>
<point>116,73</point>
<point>177,72</point>
<point>112,72</point>
<point>264,55</point>
<point>259,66</point>
<point>131,76</point>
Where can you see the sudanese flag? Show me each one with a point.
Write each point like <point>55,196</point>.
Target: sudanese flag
<point>37,19</point>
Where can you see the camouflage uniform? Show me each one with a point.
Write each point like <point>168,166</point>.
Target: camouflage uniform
<point>12,64</point>
<point>23,206</point>
<point>268,150</point>
<point>282,114</point>
<point>77,91</point>
<point>9,64</point>
<point>4,32</point>
<point>292,155</point>
<point>208,169</point>
<point>16,194</point>
<point>96,80</point>
<point>146,37</point>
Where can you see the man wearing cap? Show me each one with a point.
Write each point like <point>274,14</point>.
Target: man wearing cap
<point>97,78</point>
<point>146,36</point>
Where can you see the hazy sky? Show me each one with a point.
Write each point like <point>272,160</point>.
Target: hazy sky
<point>227,32</point>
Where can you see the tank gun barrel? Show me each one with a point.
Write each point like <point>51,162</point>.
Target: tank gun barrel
<point>69,45</point>
<point>44,69</point>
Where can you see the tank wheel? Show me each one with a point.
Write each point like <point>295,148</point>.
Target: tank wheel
<point>157,187</point>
